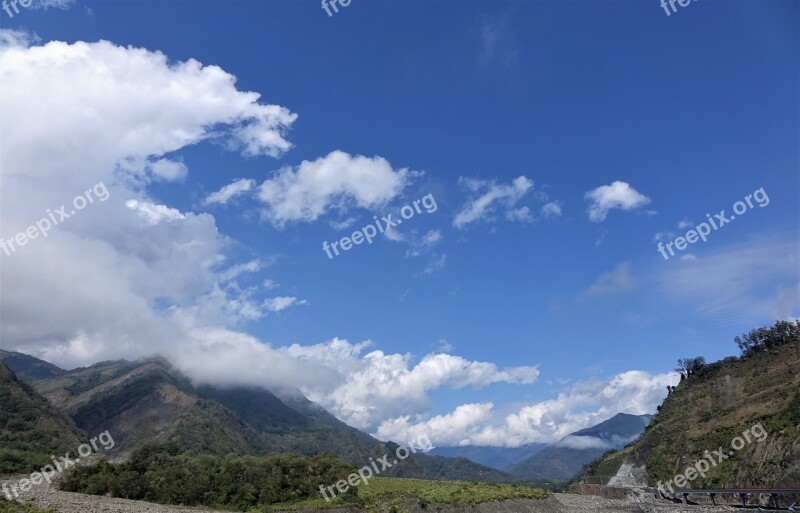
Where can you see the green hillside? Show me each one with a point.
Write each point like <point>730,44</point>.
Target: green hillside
<point>718,402</point>
<point>31,429</point>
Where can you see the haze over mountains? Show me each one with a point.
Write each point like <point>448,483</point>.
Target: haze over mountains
<point>559,461</point>
<point>495,457</point>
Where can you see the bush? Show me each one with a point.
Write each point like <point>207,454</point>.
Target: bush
<point>160,473</point>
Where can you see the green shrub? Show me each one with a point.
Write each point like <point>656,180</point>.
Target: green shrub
<point>160,473</point>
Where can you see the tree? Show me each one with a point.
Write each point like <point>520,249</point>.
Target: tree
<point>688,367</point>
<point>762,339</point>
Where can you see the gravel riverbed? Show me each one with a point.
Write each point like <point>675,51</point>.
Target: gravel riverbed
<point>48,496</point>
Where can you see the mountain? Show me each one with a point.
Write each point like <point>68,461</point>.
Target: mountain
<point>150,402</point>
<point>616,431</point>
<point>29,369</point>
<point>31,429</point>
<point>755,396</point>
<point>564,459</point>
<point>495,457</point>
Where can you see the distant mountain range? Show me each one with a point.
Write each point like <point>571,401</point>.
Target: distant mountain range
<point>559,461</point>
<point>565,458</point>
<point>495,457</point>
<point>149,401</point>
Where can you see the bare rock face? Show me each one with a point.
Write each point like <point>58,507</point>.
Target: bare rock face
<point>630,475</point>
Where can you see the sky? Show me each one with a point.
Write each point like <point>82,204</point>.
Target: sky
<point>550,147</point>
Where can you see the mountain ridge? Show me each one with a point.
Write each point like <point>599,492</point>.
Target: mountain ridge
<point>564,459</point>
<point>149,401</point>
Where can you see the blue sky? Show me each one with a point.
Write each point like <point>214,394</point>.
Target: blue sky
<point>686,113</point>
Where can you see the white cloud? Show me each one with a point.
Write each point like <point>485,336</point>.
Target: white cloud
<point>338,181</point>
<point>420,245</point>
<point>169,170</point>
<point>280,303</point>
<point>449,429</point>
<point>488,197</point>
<point>135,275</point>
<point>552,209</point>
<point>662,236</point>
<point>230,191</point>
<point>378,386</point>
<point>617,280</point>
<point>583,442</point>
<point>521,215</point>
<point>618,195</point>
<point>424,245</point>
<point>393,235</point>
<point>443,346</point>
<point>17,38</point>
<point>584,404</point>
<point>154,214</point>
<point>46,4</point>
<point>668,235</point>
<point>432,237</point>
<point>343,224</point>
<point>234,271</point>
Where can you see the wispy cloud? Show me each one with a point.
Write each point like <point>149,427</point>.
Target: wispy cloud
<point>47,4</point>
<point>749,282</point>
<point>230,191</point>
<point>552,209</point>
<point>617,280</point>
<point>498,43</point>
<point>424,244</point>
<point>280,303</point>
<point>436,264</point>
<point>489,197</point>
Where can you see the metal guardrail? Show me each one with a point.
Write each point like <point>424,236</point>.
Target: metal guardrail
<point>596,480</point>
<point>743,493</point>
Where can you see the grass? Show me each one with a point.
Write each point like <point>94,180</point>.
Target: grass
<point>395,494</point>
<point>16,507</point>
